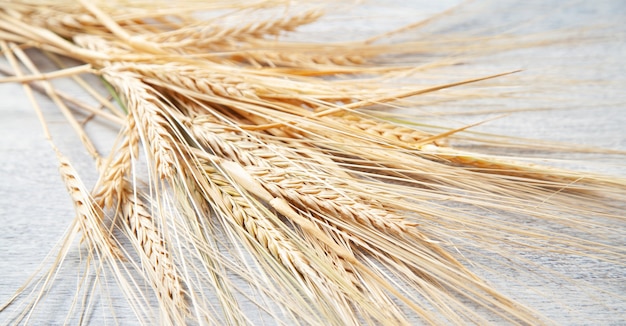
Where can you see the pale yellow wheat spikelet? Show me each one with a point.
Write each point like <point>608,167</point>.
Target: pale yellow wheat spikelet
<point>396,134</point>
<point>99,44</point>
<point>435,147</point>
<point>89,217</point>
<point>203,82</point>
<point>317,63</point>
<point>151,119</point>
<point>155,257</point>
<point>206,37</point>
<point>116,169</point>
<point>310,195</point>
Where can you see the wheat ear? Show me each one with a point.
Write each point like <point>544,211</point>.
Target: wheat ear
<point>204,81</point>
<point>150,113</point>
<point>434,146</point>
<point>395,134</point>
<point>148,241</point>
<point>89,216</point>
<point>212,36</point>
<point>155,257</point>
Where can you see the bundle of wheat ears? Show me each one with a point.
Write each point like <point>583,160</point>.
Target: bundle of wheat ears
<point>261,180</point>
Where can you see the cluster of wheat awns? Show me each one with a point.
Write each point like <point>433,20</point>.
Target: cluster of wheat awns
<point>261,168</point>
